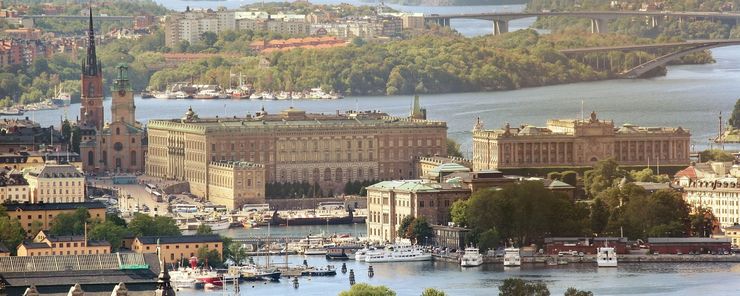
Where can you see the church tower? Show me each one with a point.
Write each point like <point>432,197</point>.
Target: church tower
<point>91,105</point>
<point>122,106</point>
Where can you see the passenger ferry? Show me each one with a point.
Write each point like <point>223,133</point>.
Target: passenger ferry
<point>471,257</point>
<point>606,257</point>
<point>398,253</point>
<point>512,257</point>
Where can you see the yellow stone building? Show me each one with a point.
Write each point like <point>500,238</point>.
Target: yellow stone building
<point>50,245</point>
<point>27,159</point>
<point>578,143</point>
<point>295,146</point>
<point>173,248</point>
<point>55,183</point>
<point>13,187</point>
<point>235,183</point>
<point>46,212</point>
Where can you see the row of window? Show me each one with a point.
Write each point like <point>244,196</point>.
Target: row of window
<point>52,253</point>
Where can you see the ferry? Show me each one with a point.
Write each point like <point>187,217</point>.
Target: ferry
<point>312,219</point>
<point>329,270</point>
<point>362,253</point>
<point>12,112</point>
<point>314,251</point>
<point>341,252</point>
<point>255,273</point>
<point>606,257</point>
<point>471,257</point>
<point>398,253</point>
<point>217,224</point>
<point>512,257</point>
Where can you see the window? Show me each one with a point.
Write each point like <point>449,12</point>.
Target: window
<point>421,203</point>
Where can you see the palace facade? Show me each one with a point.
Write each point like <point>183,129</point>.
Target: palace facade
<point>295,146</point>
<point>578,143</point>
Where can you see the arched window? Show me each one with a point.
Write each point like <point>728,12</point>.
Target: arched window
<point>327,174</point>
<point>316,175</point>
<point>133,157</point>
<point>339,175</point>
<point>360,174</point>
<point>118,131</point>
<point>90,158</point>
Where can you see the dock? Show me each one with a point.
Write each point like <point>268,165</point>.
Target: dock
<point>591,259</point>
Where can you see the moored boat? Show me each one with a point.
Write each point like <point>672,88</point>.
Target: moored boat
<point>512,257</point>
<point>398,253</point>
<point>606,257</point>
<point>471,257</point>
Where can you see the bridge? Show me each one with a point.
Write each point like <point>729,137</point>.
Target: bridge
<point>598,19</point>
<point>683,49</point>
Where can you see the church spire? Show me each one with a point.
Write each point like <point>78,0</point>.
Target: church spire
<point>91,67</point>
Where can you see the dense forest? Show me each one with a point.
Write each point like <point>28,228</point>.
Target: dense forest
<point>434,63</point>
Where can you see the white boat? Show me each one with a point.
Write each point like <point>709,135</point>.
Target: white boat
<point>181,95</point>
<point>398,253</point>
<point>362,253</point>
<point>314,251</point>
<point>512,257</point>
<point>471,258</point>
<point>283,95</point>
<point>217,224</point>
<point>62,98</point>
<point>267,95</point>
<point>255,96</point>
<point>606,257</point>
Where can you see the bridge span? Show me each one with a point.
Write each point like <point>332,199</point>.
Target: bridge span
<point>682,49</point>
<point>598,19</point>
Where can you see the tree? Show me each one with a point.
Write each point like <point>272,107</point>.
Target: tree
<point>453,148</point>
<point>363,289</point>
<point>115,219</point>
<point>457,212</point>
<point>109,231</point>
<point>403,227</point>
<point>145,225</point>
<point>420,230</point>
<point>36,227</point>
<point>735,118</point>
<point>715,155</point>
<point>647,175</point>
<point>11,233</point>
<point>518,287</point>
<point>70,223</point>
<point>204,229</point>
<point>575,292</point>
<point>236,252</point>
<point>602,176</point>
<point>599,216</point>
<point>702,222</point>
<point>212,257</point>
<point>432,292</point>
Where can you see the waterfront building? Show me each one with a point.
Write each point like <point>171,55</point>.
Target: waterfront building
<point>686,245</point>
<point>295,146</point>
<point>572,143</point>
<point>721,195</point>
<point>173,248</point>
<point>60,274</point>
<point>51,245</point>
<point>13,187</point>
<point>55,183</point>
<point>450,236</point>
<point>120,146</point>
<point>585,245</point>
<point>45,213</point>
<point>388,202</point>
<point>731,232</point>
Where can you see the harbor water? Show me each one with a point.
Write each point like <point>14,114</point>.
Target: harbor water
<point>411,278</point>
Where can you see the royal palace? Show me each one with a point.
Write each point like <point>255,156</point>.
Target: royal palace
<point>291,146</point>
<point>566,143</point>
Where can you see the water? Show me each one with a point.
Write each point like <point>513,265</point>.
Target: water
<point>411,278</point>
<point>690,96</point>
